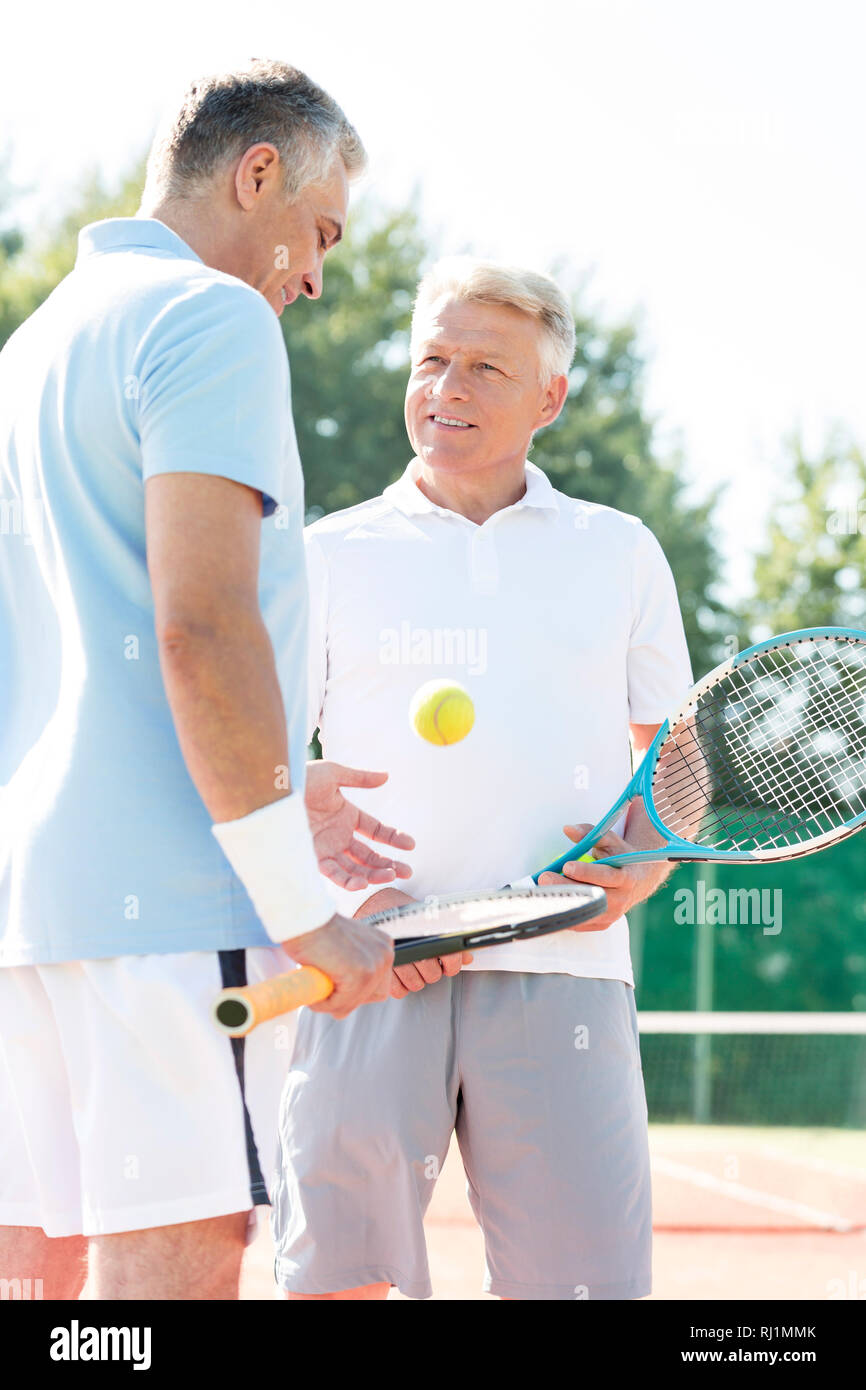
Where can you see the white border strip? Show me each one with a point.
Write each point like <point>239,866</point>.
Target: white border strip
<point>684,1021</point>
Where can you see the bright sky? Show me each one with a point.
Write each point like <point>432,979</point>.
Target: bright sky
<point>704,163</point>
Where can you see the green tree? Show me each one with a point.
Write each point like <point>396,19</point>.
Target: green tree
<point>812,572</point>
<point>349,353</point>
<point>32,271</point>
<point>11,246</point>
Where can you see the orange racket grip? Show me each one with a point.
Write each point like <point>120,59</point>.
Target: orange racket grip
<point>237,1011</point>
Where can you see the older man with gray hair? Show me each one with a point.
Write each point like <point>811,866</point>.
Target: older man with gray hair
<point>561,619</point>
<point>156,842</point>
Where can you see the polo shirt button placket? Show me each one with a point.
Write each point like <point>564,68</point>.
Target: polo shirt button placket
<point>484,564</point>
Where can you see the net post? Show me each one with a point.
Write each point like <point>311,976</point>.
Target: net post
<point>702,1095</point>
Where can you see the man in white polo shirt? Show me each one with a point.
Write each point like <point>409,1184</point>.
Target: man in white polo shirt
<point>561,619</point>
<point>155,842</point>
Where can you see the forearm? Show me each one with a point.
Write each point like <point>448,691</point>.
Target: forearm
<point>227,707</point>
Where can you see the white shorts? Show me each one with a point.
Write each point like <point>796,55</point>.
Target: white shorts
<point>121,1105</point>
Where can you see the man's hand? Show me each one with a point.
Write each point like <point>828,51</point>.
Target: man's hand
<point>336,824</point>
<point>356,956</point>
<point>409,979</point>
<point>624,887</point>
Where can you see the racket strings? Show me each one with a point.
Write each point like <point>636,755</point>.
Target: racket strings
<point>771,787</point>
<point>820,720</point>
<point>441,916</point>
<point>796,800</point>
<point>773,754</point>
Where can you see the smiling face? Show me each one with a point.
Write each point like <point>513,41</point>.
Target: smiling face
<point>275,245</point>
<point>475,394</point>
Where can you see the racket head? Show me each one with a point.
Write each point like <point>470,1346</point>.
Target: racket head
<point>766,759</point>
<point>472,921</point>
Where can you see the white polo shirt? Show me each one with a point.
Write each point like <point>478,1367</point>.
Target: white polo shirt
<point>561,619</point>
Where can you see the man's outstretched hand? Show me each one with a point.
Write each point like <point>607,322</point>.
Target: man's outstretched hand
<point>336,824</point>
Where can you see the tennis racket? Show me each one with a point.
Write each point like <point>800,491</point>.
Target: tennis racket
<point>464,922</point>
<point>764,761</point>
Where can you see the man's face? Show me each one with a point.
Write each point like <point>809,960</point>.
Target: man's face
<point>474,396</point>
<point>285,244</point>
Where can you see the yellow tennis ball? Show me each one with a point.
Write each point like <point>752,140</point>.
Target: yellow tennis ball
<point>441,712</point>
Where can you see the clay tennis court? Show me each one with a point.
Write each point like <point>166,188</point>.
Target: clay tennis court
<point>739,1213</point>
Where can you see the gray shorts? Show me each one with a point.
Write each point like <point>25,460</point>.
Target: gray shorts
<point>540,1076</point>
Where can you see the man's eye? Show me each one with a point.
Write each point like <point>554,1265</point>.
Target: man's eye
<point>323,242</point>
<point>431,359</point>
<point>488,366</point>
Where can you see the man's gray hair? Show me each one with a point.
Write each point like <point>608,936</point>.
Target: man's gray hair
<point>487,282</point>
<point>222,115</point>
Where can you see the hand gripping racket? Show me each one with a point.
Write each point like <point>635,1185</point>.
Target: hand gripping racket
<point>764,761</point>
<point>464,922</point>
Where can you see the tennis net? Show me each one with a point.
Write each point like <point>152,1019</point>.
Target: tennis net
<point>755,1068</point>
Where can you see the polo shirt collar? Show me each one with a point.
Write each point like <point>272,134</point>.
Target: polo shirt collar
<point>408,498</point>
<point>130,233</point>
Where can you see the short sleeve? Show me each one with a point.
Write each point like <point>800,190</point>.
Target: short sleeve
<point>214,391</point>
<point>659,670</point>
<point>317,665</point>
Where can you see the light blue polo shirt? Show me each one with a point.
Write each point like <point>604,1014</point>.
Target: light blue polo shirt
<point>143,361</point>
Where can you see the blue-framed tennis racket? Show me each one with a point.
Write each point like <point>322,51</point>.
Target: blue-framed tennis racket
<point>764,761</point>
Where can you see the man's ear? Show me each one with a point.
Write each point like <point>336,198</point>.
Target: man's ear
<point>257,166</point>
<point>555,395</point>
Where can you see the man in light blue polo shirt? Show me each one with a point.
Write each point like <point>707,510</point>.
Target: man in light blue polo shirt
<point>153,692</point>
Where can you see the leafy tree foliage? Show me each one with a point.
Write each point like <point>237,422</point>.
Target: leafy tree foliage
<point>812,571</point>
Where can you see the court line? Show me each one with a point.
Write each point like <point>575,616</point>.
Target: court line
<point>751,1196</point>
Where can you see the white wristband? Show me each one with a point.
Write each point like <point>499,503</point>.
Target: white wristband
<point>271,851</point>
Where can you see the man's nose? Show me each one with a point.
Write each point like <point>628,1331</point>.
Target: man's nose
<point>450,383</point>
<point>312,284</point>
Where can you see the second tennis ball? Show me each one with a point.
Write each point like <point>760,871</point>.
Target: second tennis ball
<point>441,712</point>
